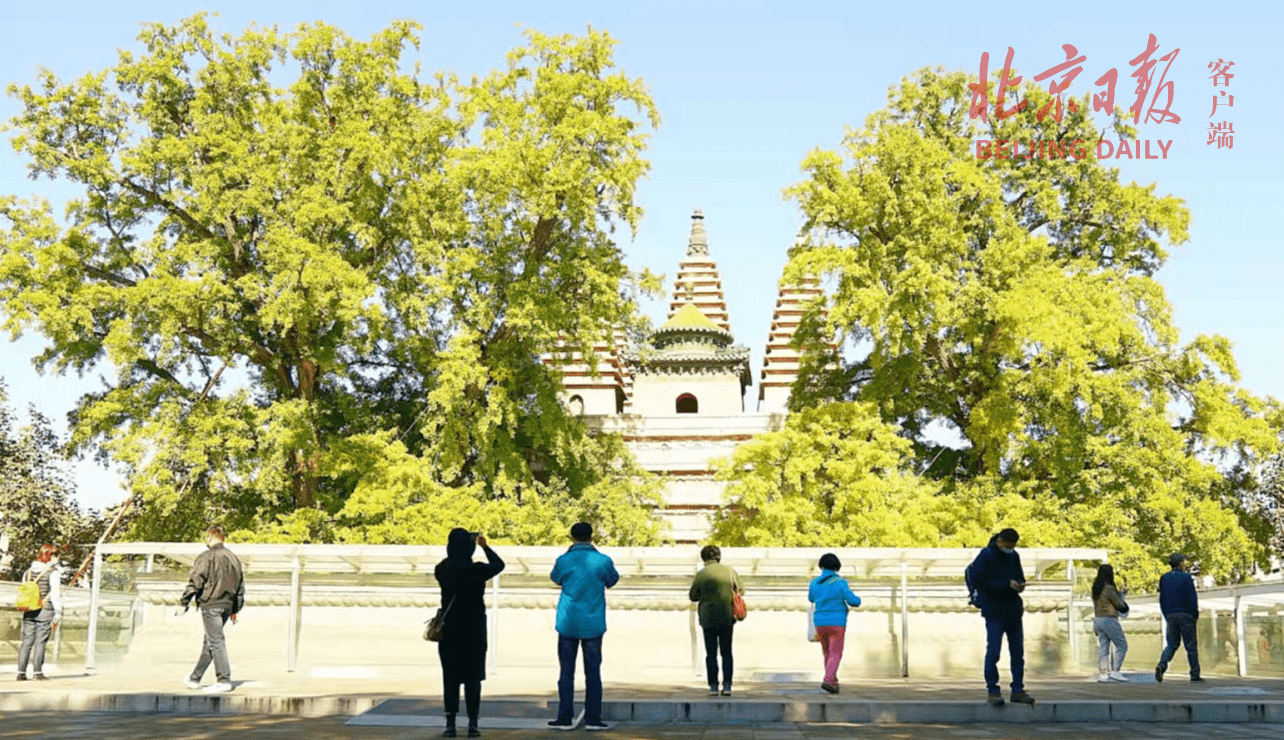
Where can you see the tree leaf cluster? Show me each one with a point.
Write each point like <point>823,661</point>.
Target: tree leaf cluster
<point>1016,341</point>
<point>311,277</point>
<point>37,495</point>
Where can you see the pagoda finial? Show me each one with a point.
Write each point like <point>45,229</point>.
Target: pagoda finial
<point>698,243</point>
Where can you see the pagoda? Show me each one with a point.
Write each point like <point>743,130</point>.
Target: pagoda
<point>678,401</point>
<point>781,362</point>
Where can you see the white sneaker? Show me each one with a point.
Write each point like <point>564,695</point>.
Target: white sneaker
<point>219,687</point>
<point>193,685</point>
<point>1118,676</point>
<point>1102,678</point>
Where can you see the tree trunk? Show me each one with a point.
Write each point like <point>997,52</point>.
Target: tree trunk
<point>303,479</point>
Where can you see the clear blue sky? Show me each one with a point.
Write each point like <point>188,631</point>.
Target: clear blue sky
<point>745,91</point>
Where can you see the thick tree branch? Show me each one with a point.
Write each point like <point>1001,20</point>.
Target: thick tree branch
<point>154,198</point>
<point>152,368</point>
<point>101,274</point>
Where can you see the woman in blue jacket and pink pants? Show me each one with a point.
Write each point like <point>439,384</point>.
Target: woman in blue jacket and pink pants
<point>832,596</point>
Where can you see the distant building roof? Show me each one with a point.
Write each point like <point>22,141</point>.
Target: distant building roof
<point>690,317</point>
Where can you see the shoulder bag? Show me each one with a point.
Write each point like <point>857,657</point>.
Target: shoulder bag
<point>434,627</point>
<point>738,608</point>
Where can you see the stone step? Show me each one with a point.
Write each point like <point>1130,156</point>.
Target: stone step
<point>711,711</point>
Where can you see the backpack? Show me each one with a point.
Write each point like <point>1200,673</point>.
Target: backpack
<point>973,593</point>
<point>29,599</point>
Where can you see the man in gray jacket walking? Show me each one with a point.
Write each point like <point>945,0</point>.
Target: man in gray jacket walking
<point>217,583</point>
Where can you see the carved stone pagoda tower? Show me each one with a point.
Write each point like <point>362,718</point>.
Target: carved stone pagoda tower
<point>679,401</point>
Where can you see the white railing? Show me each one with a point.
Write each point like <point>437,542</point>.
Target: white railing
<point>890,576</point>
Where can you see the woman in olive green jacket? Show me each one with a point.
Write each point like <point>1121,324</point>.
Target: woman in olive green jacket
<point>712,588</point>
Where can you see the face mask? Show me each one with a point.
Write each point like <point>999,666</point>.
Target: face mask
<point>1008,550</point>
<point>212,541</point>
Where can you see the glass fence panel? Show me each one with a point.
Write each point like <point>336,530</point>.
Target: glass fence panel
<point>1264,641</point>
<point>118,613</point>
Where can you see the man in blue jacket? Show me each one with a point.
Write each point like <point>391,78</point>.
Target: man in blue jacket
<point>584,575</point>
<point>997,576</point>
<point>1180,606</point>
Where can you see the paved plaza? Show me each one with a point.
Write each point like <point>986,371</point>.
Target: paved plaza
<point>514,707</point>
<point>358,686</point>
<point>123,726</point>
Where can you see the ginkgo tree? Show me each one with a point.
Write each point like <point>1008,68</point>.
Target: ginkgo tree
<point>37,495</point>
<point>1014,335</point>
<point>318,282</point>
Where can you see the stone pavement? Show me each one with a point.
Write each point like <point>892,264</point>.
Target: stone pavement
<point>123,726</point>
<point>523,698</point>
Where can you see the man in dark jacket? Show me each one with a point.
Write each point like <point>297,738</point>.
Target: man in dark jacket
<point>217,583</point>
<point>1180,606</point>
<point>997,576</point>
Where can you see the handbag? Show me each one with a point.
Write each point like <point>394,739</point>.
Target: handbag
<point>29,595</point>
<point>434,627</point>
<point>738,608</point>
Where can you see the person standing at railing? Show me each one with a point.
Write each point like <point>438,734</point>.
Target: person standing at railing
<point>713,589</point>
<point>1180,606</point>
<point>832,597</point>
<point>1107,606</point>
<point>584,575</point>
<point>39,624</point>
<point>463,644</point>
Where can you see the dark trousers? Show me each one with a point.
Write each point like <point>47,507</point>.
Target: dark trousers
<point>995,629</point>
<point>214,648</point>
<point>472,696</point>
<point>1181,629</point>
<point>718,640</point>
<point>567,647</point>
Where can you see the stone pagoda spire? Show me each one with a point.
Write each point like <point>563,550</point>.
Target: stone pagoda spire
<point>619,344</point>
<point>698,273</point>
<point>780,363</point>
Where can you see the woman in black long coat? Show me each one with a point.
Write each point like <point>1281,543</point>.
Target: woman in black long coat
<point>462,648</point>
